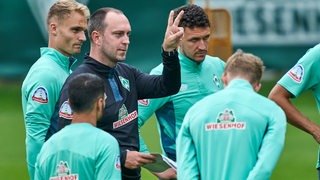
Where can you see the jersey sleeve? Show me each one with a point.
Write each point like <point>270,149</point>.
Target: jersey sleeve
<point>156,86</point>
<point>302,76</point>
<point>186,159</point>
<point>41,95</point>
<point>271,146</point>
<point>108,163</point>
<point>147,107</point>
<point>65,113</point>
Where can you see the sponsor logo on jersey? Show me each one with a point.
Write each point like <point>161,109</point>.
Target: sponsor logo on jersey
<point>64,172</point>
<point>225,120</point>
<point>40,95</point>
<point>118,163</point>
<point>296,73</point>
<point>124,117</point>
<point>144,102</point>
<point>65,111</point>
<point>216,81</point>
<point>125,83</point>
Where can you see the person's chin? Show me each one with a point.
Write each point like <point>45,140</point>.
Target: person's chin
<point>121,58</point>
<point>77,51</point>
<point>199,58</point>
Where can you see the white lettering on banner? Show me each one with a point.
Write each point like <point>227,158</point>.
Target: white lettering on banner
<point>272,22</point>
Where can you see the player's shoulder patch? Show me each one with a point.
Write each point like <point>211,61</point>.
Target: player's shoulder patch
<point>144,102</point>
<point>65,111</point>
<point>40,95</point>
<point>117,163</point>
<point>296,73</point>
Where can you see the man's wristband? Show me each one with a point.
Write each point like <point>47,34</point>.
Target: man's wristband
<point>169,53</point>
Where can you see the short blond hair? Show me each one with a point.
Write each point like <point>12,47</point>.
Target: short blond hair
<point>63,8</point>
<point>245,65</point>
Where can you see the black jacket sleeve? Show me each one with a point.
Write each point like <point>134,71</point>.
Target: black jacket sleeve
<point>156,86</point>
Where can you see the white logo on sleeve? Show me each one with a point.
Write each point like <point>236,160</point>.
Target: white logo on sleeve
<point>40,95</point>
<point>65,111</point>
<point>117,163</point>
<point>183,87</point>
<point>296,73</point>
<point>144,102</point>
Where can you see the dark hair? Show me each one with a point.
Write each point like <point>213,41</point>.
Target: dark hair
<point>96,20</point>
<point>194,16</point>
<point>84,89</point>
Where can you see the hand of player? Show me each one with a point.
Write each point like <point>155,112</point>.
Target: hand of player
<point>173,32</point>
<point>167,174</point>
<point>137,159</point>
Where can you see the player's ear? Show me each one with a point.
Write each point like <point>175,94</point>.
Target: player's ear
<point>257,87</point>
<point>96,38</point>
<point>52,29</point>
<point>100,104</point>
<point>224,79</point>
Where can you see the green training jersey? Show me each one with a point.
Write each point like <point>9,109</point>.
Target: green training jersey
<point>233,134</point>
<point>79,151</point>
<point>197,81</point>
<point>304,76</point>
<point>40,93</point>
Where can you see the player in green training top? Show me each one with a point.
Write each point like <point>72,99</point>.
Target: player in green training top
<point>235,133</point>
<point>200,76</point>
<point>81,150</point>
<point>66,24</point>
<point>300,78</point>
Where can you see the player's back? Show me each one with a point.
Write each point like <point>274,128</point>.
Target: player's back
<point>79,151</point>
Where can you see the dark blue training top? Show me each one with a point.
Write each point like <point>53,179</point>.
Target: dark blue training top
<point>125,85</point>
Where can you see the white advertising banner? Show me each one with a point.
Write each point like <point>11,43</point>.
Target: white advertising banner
<point>272,22</point>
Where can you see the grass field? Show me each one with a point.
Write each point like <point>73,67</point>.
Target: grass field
<point>297,160</point>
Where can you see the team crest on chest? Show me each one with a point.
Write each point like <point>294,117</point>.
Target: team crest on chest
<point>296,73</point>
<point>123,112</point>
<point>64,172</point>
<point>216,80</point>
<point>225,120</point>
<point>125,83</point>
<point>40,95</point>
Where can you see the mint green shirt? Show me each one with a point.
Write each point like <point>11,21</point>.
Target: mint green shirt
<point>40,92</point>
<point>234,134</point>
<point>304,76</point>
<point>197,81</point>
<point>79,151</point>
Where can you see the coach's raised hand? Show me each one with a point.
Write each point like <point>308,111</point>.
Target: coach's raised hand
<point>173,33</point>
